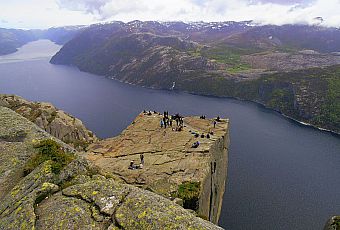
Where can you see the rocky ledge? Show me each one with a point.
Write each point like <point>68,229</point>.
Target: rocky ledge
<point>171,163</point>
<point>77,195</point>
<point>54,121</point>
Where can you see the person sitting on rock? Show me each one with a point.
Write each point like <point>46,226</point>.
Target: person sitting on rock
<point>202,135</point>
<point>218,118</point>
<point>208,136</point>
<point>195,145</point>
<point>132,165</point>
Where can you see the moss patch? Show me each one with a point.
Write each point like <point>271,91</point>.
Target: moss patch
<point>189,192</point>
<point>49,150</point>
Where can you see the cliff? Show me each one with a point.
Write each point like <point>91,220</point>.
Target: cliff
<point>54,121</point>
<point>66,191</point>
<point>172,167</point>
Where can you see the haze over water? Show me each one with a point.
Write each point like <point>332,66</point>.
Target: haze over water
<point>281,175</point>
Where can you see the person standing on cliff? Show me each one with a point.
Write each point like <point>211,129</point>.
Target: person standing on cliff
<point>141,158</point>
<point>161,123</point>
<point>164,121</point>
<point>214,124</point>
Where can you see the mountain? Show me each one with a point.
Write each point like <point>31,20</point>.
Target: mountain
<point>61,35</point>
<point>12,39</point>
<point>219,58</point>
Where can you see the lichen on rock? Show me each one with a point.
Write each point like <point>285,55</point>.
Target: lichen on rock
<point>54,121</point>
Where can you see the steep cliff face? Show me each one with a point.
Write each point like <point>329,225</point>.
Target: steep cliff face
<point>172,167</point>
<point>211,197</point>
<point>76,196</point>
<point>54,121</point>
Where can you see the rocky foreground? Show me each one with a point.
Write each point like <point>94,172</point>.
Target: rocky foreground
<point>56,122</point>
<point>70,192</point>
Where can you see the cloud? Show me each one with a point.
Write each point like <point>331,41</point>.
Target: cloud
<point>261,11</point>
<point>89,6</point>
<point>283,2</point>
<point>33,14</point>
<point>68,12</point>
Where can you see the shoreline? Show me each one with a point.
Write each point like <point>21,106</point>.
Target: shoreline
<point>337,134</point>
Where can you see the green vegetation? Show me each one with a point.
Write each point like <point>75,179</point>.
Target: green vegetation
<point>330,110</point>
<point>189,192</point>
<point>227,55</point>
<point>239,68</point>
<point>281,99</point>
<point>49,150</point>
<point>223,54</point>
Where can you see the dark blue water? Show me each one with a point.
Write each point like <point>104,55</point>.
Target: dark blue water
<point>281,175</point>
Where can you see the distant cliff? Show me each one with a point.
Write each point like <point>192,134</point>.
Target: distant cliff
<point>54,121</point>
<point>44,184</point>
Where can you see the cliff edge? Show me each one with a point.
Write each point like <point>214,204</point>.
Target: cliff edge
<point>172,167</point>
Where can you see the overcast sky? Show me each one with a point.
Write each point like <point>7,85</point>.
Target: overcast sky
<point>48,13</point>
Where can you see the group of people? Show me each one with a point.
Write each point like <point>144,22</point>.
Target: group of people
<point>133,166</point>
<point>167,121</point>
<point>202,135</point>
<point>197,143</point>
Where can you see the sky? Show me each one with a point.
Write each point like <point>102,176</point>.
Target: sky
<point>38,14</point>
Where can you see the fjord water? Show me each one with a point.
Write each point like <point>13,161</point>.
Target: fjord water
<point>281,175</point>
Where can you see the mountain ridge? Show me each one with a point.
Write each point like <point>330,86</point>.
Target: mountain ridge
<point>254,63</point>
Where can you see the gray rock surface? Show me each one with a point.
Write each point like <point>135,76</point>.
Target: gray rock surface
<point>54,121</point>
